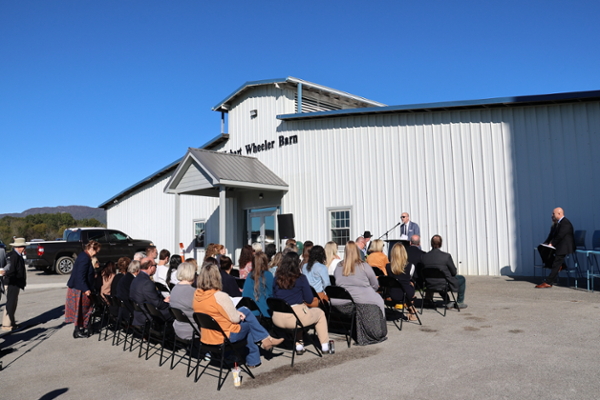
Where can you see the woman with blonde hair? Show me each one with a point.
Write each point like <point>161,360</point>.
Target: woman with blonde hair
<point>400,269</point>
<point>332,258</point>
<point>376,257</point>
<point>275,262</point>
<point>358,278</point>
<point>237,324</point>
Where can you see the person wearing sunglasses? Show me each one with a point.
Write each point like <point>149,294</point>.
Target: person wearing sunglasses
<point>408,228</point>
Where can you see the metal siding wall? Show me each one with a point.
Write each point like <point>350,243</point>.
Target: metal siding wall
<point>486,180</point>
<point>447,169</point>
<point>147,214</point>
<point>555,165</point>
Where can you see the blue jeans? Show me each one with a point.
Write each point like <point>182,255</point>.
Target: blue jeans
<point>253,332</point>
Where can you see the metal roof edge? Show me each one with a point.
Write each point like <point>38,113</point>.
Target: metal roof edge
<point>215,141</point>
<point>245,85</point>
<point>291,79</point>
<point>514,100</point>
<point>143,181</point>
<point>160,172</point>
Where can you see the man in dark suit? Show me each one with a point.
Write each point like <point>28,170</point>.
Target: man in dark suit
<point>562,238</point>
<point>15,280</point>
<point>415,254</point>
<point>143,291</point>
<point>436,258</point>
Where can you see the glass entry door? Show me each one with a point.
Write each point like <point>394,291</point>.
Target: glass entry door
<point>262,226</point>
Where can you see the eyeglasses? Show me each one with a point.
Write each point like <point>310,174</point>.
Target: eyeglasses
<point>404,216</point>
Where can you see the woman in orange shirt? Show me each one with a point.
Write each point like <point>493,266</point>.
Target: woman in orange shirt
<point>377,258</point>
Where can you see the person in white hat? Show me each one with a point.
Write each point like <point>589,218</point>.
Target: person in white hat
<point>15,279</point>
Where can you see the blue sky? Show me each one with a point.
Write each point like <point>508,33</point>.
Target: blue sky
<point>97,95</point>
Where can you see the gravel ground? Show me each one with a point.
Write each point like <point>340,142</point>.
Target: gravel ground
<point>513,342</point>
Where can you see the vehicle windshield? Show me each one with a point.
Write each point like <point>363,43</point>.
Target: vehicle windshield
<point>74,236</point>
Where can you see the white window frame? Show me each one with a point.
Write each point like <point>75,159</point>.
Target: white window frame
<point>199,221</point>
<point>350,218</point>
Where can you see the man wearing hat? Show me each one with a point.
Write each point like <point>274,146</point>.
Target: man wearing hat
<point>367,235</point>
<point>15,279</point>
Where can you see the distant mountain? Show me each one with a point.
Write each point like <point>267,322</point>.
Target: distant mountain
<point>78,212</point>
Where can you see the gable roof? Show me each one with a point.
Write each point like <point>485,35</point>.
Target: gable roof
<point>223,105</point>
<point>201,171</point>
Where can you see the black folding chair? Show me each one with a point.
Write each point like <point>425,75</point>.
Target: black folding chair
<point>337,318</point>
<point>158,331</point>
<point>387,283</point>
<point>161,287</point>
<point>113,317</point>
<point>436,282</point>
<point>279,305</point>
<point>124,320</point>
<point>141,330</point>
<point>188,343</point>
<point>99,313</point>
<point>205,321</point>
<point>249,303</point>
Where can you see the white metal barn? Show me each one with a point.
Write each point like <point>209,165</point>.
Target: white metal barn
<point>484,174</point>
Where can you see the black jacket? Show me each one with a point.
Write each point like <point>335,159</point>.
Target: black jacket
<point>143,291</point>
<point>562,237</point>
<point>16,274</point>
<point>436,258</point>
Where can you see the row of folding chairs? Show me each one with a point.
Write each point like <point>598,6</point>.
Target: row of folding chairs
<point>156,336</point>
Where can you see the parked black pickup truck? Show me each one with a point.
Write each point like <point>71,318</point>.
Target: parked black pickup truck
<point>60,255</point>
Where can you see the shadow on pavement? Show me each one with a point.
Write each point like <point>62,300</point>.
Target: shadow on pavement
<point>54,394</point>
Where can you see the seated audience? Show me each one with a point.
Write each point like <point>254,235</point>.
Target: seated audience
<point>438,259</point>
<point>124,286</point>
<point>291,244</point>
<point>245,261</point>
<point>171,278</point>
<point>270,251</point>
<point>259,283</point>
<point>401,269</point>
<point>306,252</point>
<point>211,251</point>
<point>122,265</point>
<point>331,252</point>
<point>182,297</point>
<point>228,282</point>
<point>162,269</point>
<point>256,247</point>
<point>107,275</point>
<point>293,287</point>
<point>275,262</point>
<point>377,258</point>
<point>316,271</point>
<point>237,324</point>
<point>143,291</point>
<point>358,278</point>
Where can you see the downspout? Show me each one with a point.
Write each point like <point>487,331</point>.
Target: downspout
<point>299,110</point>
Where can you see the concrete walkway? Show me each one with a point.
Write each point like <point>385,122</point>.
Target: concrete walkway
<point>513,342</point>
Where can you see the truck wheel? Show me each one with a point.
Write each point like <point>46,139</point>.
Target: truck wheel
<point>64,265</point>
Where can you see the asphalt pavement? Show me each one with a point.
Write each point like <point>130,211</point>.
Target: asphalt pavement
<point>512,342</point>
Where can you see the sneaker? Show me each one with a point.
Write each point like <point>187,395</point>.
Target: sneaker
<point>450,305</point>
<point>461,305</point>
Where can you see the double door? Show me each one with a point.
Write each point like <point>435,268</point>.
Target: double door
<point>262,227</point>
